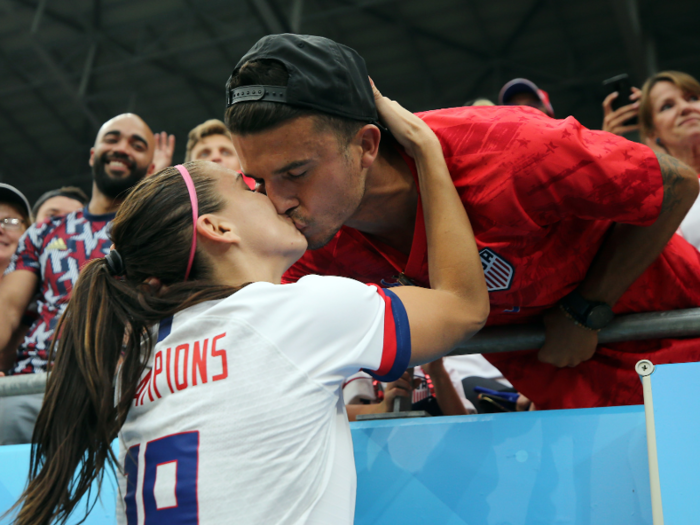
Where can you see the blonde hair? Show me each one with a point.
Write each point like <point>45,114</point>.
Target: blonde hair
<point>205,129</point>
<point>683,81</point>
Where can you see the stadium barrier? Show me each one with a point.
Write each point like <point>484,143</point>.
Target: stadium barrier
<point>584,466</point>
<point>22,385</point>
<point>630,327</point>
<point>493,339</point>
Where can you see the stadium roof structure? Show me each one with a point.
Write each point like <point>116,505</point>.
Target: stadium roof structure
<point>68,65</point>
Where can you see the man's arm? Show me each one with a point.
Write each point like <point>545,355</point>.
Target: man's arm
<point>445,393</point>
<point>401,387</point>
<point>623,257</point>
<point>16,291</point>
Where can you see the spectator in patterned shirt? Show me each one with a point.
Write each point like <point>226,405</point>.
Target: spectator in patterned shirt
<point>50,254</point>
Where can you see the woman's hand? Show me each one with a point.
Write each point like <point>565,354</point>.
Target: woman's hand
<point>410,131</point>
<point>614,121</point>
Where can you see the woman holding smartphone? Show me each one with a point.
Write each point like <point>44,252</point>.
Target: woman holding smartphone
<point>223,385</point>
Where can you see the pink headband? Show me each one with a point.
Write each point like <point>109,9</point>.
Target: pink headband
<point>195,213</point>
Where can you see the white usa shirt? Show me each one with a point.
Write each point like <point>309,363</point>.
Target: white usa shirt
<point>239,416</point>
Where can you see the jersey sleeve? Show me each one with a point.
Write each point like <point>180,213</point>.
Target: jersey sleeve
<point>396,347</point>
<point>26,256</point>
<point>562,169</point>
<point>332,327</point>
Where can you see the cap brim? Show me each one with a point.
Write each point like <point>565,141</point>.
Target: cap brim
<point>12,195</point>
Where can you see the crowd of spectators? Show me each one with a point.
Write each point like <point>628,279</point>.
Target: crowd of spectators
<point>42,246</point>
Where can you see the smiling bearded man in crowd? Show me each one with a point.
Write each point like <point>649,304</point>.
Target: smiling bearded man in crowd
<point>50,255</point>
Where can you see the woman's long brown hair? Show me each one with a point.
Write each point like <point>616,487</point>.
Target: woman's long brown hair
<point>104,326</point>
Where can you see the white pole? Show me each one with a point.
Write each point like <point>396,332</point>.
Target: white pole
<point>645,368</point>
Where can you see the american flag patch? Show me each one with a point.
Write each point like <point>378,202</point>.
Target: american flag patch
<point>498,271</point>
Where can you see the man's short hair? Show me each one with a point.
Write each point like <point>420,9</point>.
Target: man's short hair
<point>205,129</point>
<point>72,192</point>
<point>245,118</point>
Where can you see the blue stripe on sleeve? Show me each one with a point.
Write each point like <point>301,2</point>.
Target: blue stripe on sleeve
<point>166,325</point>
<point>403,339</point>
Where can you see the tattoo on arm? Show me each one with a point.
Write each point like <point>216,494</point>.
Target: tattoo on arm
<point>671,173</point>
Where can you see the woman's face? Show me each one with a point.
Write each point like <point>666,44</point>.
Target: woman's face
<point>261,229</point>
<point>676,115</point>
<point>9,237</point>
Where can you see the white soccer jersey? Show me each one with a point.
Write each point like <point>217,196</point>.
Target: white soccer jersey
<point>239,416</point>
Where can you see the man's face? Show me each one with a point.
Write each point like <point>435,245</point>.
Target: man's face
<point>526,99</point>
<point>216,148</point>
<point>307,175</point>
<point>122,154</point>
<point>57,206</point>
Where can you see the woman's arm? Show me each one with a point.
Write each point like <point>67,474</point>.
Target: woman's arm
<point>457,304</point>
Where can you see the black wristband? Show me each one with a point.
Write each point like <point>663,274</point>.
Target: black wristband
<point>593,315</point>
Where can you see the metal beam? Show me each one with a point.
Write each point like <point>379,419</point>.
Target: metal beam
<point>87,71</point>
<point>131,57</point>
<point>519,30</point>
<point>630,327</point>
<point>174,68</point>
<point>295,16</point>
<point>565,35</point>
<point>38,15</point>
<point>95,22</point>
<point>639,48</point>
<point>64,82</point>
<point>211,33</point>
<point>15,125</point>
<point>48,106</point>
<point>393,19</point>
<point>416,53</point>
<point>481,24</point>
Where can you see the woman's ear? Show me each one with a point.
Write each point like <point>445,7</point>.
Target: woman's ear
<point>217,229</point>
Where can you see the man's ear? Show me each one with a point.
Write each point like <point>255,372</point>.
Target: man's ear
<point>92,157</point>
<point>151,169</point>
<point>217,229</point>
<point>369,136</point>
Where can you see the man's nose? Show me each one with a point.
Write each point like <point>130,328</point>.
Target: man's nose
<point>121,147</point>
<point>283,201</point>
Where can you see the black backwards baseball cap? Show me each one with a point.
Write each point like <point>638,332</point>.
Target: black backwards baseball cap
<point>323,75</point>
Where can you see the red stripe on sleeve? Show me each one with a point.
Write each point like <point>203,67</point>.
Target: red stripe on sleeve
<point>389,351</point>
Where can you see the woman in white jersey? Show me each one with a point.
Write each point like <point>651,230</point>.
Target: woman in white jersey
<point>228,385</point>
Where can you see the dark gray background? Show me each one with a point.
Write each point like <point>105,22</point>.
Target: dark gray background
<point>68,65</point>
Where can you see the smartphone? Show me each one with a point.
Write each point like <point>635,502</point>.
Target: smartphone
<point>621,84</point>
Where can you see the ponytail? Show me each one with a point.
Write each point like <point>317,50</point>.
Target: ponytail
<point>105,329</point>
